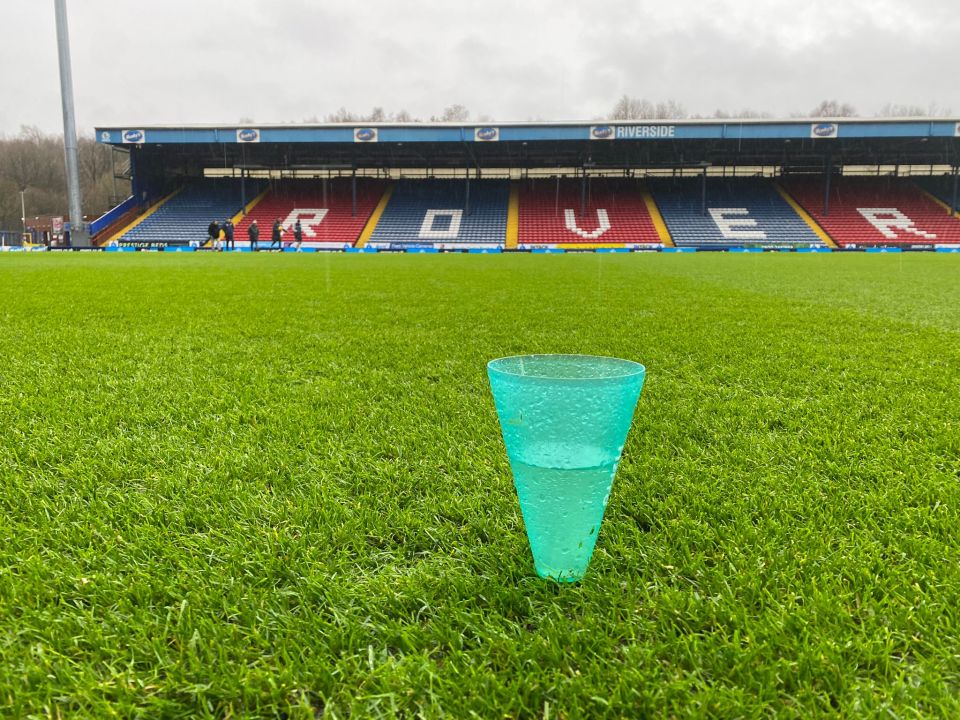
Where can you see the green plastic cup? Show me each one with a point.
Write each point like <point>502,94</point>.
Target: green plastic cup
<point>564,419</point>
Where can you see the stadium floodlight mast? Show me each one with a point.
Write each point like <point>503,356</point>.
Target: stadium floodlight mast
<point>78,232</point>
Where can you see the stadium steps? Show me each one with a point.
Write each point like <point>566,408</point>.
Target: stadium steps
<point>238,218</point>
<point>617,214</point>
<point>913,218</point>
<point>807,218</point>
<point>513,218</point>
<point>374,220</point>
<point>940,188</point>
<point>663,232</point>
<point>943,202</point>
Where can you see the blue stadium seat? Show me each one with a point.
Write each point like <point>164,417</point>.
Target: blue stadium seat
<point>740,213</point>
<point>434,212</point>
<point>185,217</point>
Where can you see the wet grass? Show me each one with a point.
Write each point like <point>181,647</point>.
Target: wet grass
<point>274,486</point>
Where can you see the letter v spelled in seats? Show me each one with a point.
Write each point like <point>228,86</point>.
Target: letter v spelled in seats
<point>444,213</point>
<point>744,212</point>
<point>324,208</point>
<point>615,213</point>
<point>877,211</point>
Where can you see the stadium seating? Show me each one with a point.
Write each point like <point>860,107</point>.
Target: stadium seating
<point>325,213</point>
<point>877,211</point>
<point>739,213</point>
<point>184,218</point>
<point>435,213</point>
<point>615,213</point>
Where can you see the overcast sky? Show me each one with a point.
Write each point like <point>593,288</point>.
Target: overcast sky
<point>217,61</point>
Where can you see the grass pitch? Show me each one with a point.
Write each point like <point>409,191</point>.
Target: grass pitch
<point>261,486</point>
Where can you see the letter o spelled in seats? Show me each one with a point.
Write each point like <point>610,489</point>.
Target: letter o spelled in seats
<point>428,229</point>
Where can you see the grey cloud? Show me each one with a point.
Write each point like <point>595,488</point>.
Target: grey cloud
<point>286,60</point>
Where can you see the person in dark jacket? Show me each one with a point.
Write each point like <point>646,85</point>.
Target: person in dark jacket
<point>253,233</point>
<point>213,232</point>
<point>297,235</point>
<point>277,238</point>
<point>228,235</point>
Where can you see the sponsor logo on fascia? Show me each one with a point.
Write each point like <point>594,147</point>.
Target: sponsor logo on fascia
<point>133,136</point>
<point>602,132</point>
<point>366,134</point>
<point>957,130</point>
<point>105,136</point>
<point>487,133</point>
<point>825,130</point>
<point>248,135</point>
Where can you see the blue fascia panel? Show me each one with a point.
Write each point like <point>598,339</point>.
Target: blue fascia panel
<point>625,132</point>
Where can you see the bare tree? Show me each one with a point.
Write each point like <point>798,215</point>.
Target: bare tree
<point>833,109</point>
<point>94,159</point>
<point>34,163</point>
<point>342,116</point>
<point>895,110</point>
<point>631,108</point>
<point>453,113</point>
<point>27,160</point>
<point>744,114</point>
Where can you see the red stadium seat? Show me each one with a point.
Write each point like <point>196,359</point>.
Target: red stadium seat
<point>327,219</point>
<point>615,213</point>
<point>877,211</point>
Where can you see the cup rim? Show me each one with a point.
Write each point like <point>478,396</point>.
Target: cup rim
<point>631,368</point>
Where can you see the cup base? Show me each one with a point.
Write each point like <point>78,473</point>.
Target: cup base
<point>561,578</point>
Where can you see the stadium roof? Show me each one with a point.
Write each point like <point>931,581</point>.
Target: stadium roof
<point>801,142</point>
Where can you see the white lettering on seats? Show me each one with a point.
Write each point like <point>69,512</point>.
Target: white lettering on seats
<point>729,225</point>
<point>309,219</point>
<point>602,218</point>
<point>888,221</point>
<point>451,233</point>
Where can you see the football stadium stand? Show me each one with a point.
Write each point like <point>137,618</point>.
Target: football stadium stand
<point>877,211</point>
<point>616,213</point>
<point>184,217</point>
<point>624,185</point>
<point>738,213</point>
<point>325,211</point>
<point>444,213</point>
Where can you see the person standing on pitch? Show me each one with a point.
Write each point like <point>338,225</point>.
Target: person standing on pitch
<point>277,237</point>
<point>253,233</point>
<point>228,232</point>
<point>297,235</point>
<point>213,232</point>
